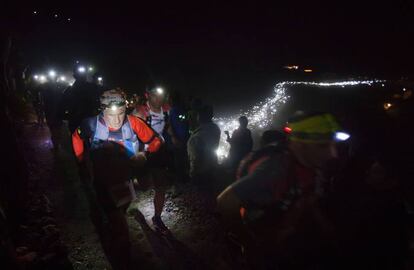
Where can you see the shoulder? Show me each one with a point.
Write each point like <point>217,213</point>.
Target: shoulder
<point>87,127</point>
<point>269,169</point>
<point>135,120</point>
<point>259,184</point>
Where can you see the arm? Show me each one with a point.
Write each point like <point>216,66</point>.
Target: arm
<point>229,207</point>
<point>77,144</point>
<point>228,204</point>
<point>145,133</point>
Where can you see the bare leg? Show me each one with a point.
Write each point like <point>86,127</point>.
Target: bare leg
<point>159,200</point>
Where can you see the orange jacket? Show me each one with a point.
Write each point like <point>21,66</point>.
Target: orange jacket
<point>144,133</point>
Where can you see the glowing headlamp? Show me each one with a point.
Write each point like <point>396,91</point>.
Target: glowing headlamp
<point>338,136</point>
<point>113,106</point>
<point>81,69</point>
<point>90,68</point>
<point>341,136</point>
<point>100,79</point>
<point>36,77</point>
<point>52,73</point>
<point>160,91</point>
<point>387,105</point>
<point>42,78</point>
<point>62,78</point>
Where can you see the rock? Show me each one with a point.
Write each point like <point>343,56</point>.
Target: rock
<point>48,257</point>
<point>50,229</point>
<point>78,265</point>
<point>47,220</point>
<point>148,254</point>
<point>27,258</point>
<point>22,250</point>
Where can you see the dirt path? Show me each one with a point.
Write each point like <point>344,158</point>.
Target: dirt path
<point>196,241</point>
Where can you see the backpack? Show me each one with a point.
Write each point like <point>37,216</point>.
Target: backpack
<point>255,158</point>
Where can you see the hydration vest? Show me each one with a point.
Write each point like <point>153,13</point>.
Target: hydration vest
<point>98,133</point>
<point>145,111</point>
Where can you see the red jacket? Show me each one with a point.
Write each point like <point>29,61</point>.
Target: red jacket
<point>143,132</point>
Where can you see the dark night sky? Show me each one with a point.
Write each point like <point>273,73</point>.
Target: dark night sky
<point>215,50</point>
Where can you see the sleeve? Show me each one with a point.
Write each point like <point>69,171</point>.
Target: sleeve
<point>256,189</point>
<point>77,144</point>
<point>145,133</point>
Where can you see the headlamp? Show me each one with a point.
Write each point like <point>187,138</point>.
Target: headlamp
<point>341,136</point>
<point>52,73</point>
<point>113,106</point>
<point>338,136</point>
<point>160,91</point>
<point>42,78</point>
<point>81,69</point>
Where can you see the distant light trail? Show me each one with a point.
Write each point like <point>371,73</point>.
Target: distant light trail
<point>261,115</point>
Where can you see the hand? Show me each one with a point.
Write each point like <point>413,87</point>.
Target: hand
<point>139,159</point>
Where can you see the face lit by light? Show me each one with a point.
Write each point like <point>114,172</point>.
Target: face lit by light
<point>156,101</point>
<point>52,73</point>
<point>81,69</point>
<point>114,116</point>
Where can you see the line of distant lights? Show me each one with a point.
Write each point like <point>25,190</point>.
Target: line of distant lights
<point>55,15</point>
<point>261,115</point>
<point>295,67</point>
<point>53,76</point>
